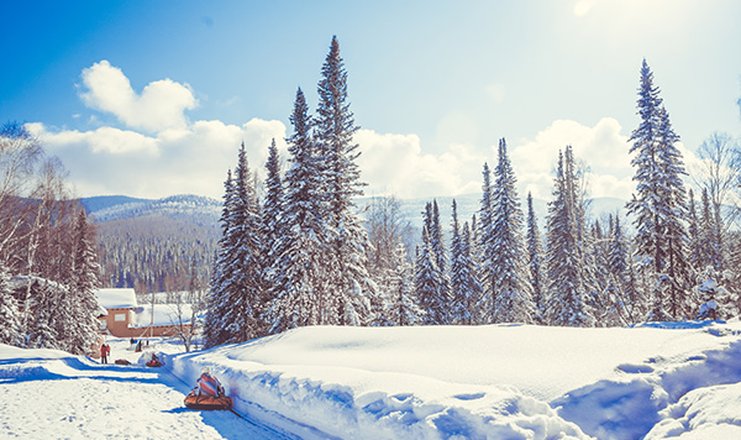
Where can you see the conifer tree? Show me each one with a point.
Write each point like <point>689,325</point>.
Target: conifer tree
<point>428,283</point>
<point>403,309</point>
<point>511,290</point>
<point>486,248</point>
<point>243,286</point>
<point>45,295</point>
<point>272,219</point>
<point>300,254</point>
<point>214,329</point>
<point>535,262</point>
<point>566,303</point>
<point>10,330</point>
<point>349,285</point>
<point>459,275</point>
<point>659,205</point>
<point>83,284</point>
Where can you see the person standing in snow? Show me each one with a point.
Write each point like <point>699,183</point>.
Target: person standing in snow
<point>107,352</point>
<point>103,354</point>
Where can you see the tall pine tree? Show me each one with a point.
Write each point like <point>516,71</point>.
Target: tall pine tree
<point>511,290</point>
<point>535,262</point>
<point>300,257</point>
<point>567,303</point>
<point>659,205</point>
<point>349,286</point>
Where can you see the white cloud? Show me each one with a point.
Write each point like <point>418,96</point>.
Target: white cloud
<point>395,164</point>
<point>163,153</point>
<point>604,149</point>
<point>160,106</point>
<point>193,159</point>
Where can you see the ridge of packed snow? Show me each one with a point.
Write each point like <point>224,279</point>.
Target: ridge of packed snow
<point>499,381</point>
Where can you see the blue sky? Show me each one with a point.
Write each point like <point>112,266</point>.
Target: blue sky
<point>434,84</point>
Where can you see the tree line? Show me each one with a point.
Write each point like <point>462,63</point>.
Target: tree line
<point>48,262</point>
<point>301,256</point>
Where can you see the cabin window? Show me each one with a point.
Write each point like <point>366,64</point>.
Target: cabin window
<point>119,317</point>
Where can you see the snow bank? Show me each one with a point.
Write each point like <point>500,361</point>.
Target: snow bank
<point>116,298</point>
<point>164,314</point>
<point>505,381</point>
<point>706,413</point>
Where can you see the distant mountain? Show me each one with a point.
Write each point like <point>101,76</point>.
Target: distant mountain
<point>98,203</point>
<point>201,210</point>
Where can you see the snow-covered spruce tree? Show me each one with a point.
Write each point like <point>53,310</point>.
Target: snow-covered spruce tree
<point>243,262</point>
<point>510,287</point>
<point>83,283</point>
<point>214,328</point>
<point>566,300</point>
<point>605,287</point>
<point>45,295</point>
<point>300,253</point>
<point>471,274</point>
<point>658,207</point>
<point>460,268</point>
<point>10,330</point>
<point>403,310</point>
<point>480,307</point>
<point>713,298</point>
<point>272,219</point>
<point>437,242</point>
<point>428,284</point>
<point>349,286</point>
<point>486,249</point>
<point>535,262</point>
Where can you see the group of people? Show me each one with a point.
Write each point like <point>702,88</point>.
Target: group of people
<point>105,352</point>
<point>137,345</point>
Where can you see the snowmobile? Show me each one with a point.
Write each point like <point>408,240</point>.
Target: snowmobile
<point>208,395</point>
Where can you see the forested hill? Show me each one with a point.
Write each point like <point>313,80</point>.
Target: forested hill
<point>150,245</point>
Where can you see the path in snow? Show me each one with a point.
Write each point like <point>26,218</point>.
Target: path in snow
<point>78,398</point>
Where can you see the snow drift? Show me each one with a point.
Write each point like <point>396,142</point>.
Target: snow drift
<point>506,381</point>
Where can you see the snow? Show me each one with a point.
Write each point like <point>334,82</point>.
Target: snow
<point>52,394</point>
<point>510,381</point>
<point>116,298</point>
<point>164,314</point>
<point>662,380</point>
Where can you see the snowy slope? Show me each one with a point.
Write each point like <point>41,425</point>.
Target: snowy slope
<point>481,382</point>
<point>48,394</point>
<point>179,206</point>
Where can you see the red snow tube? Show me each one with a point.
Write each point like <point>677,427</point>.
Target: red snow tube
<point>154,363</point>
<point>194,400</point>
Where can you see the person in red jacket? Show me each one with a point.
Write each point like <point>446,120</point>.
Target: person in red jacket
<point>107,352</point>
<point>103,354</point>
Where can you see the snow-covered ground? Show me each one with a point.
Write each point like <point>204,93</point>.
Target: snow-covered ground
<point>489,381</point>
<point>508,381</point>
<point>47,394</point>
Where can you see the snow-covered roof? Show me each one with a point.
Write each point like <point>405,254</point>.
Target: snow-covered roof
<point>116,298</point>
<point>164,314</point>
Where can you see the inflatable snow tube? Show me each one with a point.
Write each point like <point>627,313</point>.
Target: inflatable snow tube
<point>205,402</point>
<point>154,363</point>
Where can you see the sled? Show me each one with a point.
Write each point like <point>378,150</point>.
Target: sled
<point>196,400</point>
<point>153,363</point>
<point>122,362</point>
